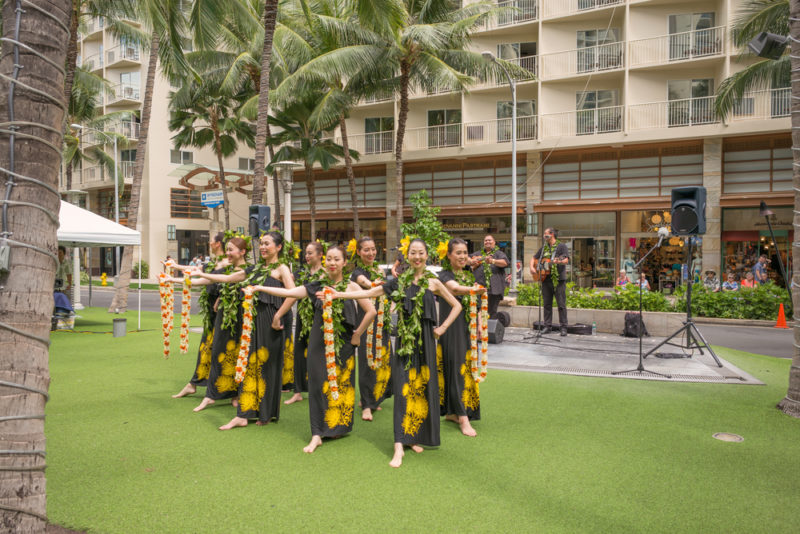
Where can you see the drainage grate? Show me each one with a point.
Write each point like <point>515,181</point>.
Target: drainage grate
<point>630,374</point>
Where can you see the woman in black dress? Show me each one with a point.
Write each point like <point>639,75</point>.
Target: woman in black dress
<point>308,273</point>
<point>374,385</point>
<point>460,401</point>
<point>208,309</point>
<point>330,403</point>
<point>416,396</point>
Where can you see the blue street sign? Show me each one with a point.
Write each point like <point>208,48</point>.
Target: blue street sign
<point>211,199</point>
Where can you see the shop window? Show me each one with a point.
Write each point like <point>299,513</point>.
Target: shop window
<point>185,204</point>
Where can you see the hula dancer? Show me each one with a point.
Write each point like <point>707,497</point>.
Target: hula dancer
<point>331,350</point>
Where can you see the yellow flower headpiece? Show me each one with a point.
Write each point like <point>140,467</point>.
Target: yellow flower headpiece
<point>404,243</point>
<point>351,247</point>
<point>441,249</point>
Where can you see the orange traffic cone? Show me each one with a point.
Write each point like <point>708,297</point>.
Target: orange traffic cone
<point>781,318</point>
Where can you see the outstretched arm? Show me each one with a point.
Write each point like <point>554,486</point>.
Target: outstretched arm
<point>195,281</point>
<point>294,293</point>
<point>361,294</point>
<point>234,277</point>
<point>456,289</point>
<point>439,289</point>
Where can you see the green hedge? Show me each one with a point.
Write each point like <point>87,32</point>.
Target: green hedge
<point>759,303</point>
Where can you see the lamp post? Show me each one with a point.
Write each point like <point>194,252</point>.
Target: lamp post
<point>285,175</point>
<point>765,212</point>
<point>489,56</point>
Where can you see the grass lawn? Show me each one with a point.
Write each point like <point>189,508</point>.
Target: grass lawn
<point>554,453</point>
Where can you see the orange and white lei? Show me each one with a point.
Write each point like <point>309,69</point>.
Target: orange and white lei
<point>478,373</point>
<point>165,294</point>
<point>244,340</point>
<point>372,362</point>
<point>186,308</point>
<point>330,341</point>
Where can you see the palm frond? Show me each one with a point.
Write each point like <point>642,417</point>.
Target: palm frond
<point>764,74</point>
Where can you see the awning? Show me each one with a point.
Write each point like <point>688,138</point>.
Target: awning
<point>82,228</point>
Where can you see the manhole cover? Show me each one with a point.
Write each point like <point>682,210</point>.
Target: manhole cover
<point>727,436</point>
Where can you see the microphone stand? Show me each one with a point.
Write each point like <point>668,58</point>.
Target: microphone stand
<point>640,368</point>
<point>537,335</point>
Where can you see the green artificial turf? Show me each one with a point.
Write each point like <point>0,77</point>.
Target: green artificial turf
<point>554,453</point>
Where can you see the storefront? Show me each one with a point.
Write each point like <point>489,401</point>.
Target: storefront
<point>591,240</point>
<point>745,236</point>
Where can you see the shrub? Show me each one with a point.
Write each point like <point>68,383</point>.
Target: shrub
<point>145,269</point>
<point>761,302</point>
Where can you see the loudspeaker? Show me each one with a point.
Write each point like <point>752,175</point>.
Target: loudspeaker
<point>259,220</point>
<point>689,210</point>
<point>504,318</point>
<point>496,331</point>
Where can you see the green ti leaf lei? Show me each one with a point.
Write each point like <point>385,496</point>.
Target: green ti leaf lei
<point>206,307</point>
<point>229,297</point>
<point>337,311</point>
<point>373,271</point>
<point>548,251</point>
<point>466,279</point>
<point>305,310</point>
<point>258,276</point>
<point>409,329</point>
<point>487,267</point>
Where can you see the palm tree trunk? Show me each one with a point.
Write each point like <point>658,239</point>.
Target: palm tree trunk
<point>72,52</point>
<point>270,15</point>
<point>312,199</point>
<point>26,301</point>
<point>402,117</point>
<point>68,175</point>
<point>791,403</point>
<point>348,169</point>
<point>119,304</point>
<point>218,149</point>
<point>275,189</point>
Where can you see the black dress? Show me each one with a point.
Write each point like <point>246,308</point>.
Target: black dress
<point>416,389</point>
<point>287,380</point>
<point>374,386</point>
<point>329,417</point>
<point>458,392</point>
<point>260,390</point>
<point>225,348</point>
<point>203,366</point>
<point>300,347</point>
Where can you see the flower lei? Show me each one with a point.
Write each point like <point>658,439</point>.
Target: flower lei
<point>244,340</point>
<point>409,330</point>
<point>332,312</point>
<point>207,308</point>
<point>372,362</point>
<point>165,293</point>
<point>467,279</point>
<point>478,374</point>
<point>186,306</point>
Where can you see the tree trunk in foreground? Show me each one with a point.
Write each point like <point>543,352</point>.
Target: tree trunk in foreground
<point>26,292</point>
<point>270,15</point>
<point>351,180</point>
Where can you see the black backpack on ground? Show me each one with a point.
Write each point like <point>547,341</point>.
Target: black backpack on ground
<point>632,325</point>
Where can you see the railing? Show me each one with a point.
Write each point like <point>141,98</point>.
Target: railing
<point>124,91</point>
<point>678,47</point>
<point>129,129</point>
<point>94,25</point>
<point>433,137</point>
<point>93,62</point>
<point>771,104</point>
<point>558,8</point>
<point>529,63</point>
<point>499,131</point>
<point>583,60</point>
<point>122,53</point>
<point>381,96</point>
<point>93,175</point>
<point>368,143</point>
<point>521,11</point>
<point>673,113</point>
<point>126,168</point>
<point>583,122</point>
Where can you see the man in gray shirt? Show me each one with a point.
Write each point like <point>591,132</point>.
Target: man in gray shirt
<point>495,261</point>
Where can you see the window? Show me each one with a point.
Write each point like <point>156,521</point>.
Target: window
<point>599,50</point>
<point>757,165</point>
<point>379,136</point>
<point>691,102</point>
<point>247,164</point>
<point>523,54</point>
<point>444,127</point>
<point>180,157</point>
<point>692,35</point>
<point>526,120</point>
<point>185,204</point>
<point>598,112</point>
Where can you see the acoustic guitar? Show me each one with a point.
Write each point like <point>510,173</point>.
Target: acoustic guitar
<point>541,268</point>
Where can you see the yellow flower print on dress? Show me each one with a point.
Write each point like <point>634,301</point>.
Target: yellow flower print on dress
<point>288,361</point>
<point>416,401</point>
<point>382,375</point>
<point>204,366</point>
<point>470,396</point>
<point>340,411</point>
<point>440,372</point>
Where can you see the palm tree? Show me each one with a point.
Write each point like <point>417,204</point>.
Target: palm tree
<point>203,115</point>
<point>791,403</point>
<point>37,108</point>
<point>302,141</point>
<point>755,17</point>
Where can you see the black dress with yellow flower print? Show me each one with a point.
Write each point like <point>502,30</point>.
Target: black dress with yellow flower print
<point>260,390</point>
<point>287,342</point>
<point>330,417</point>
<point>458,392</point>
<point>416,389</point>
<point>374,385</point>
<point>203,366</point>
<point>224,351</point>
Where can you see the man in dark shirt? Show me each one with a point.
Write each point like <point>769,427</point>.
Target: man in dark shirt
<point>553,252</point>
<point>493,259</point>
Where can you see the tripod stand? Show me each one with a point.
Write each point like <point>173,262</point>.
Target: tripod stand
<point>693,335</point>
<point>536,336</point>
<point>640,368</point>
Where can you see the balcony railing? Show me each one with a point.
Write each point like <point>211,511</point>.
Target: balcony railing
<point>559,8</point>
<point>126,168</point>
<point>95,175</point>
<point>381,96</point>
<point>93,62</point>
<point>583,60</point>
<point>583,122</point>
<point>499,131</point>
<point>673,113</point>
<point>529,63</point>
<point>129,129</point>
<point>94,25</point>
<point>519,12</point>
<point>124,91</point>
<point>678,47</point>
<point>122,53</point>
<point>772,104</point>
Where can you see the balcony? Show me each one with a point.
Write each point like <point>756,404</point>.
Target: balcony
<point>772,104</point>
<point>129,129</point>
<point>499,131</point>
<point>673,113</point>
<point>561,8</point>
<point>124,93</point>
<point>529,63</point>
<point>380,96</point>
<point>607,57</point>
<point>93,62</point>
<point>126,168</point>
<point>683,46</point>
<point>94,26</point>
<point>368,143</point>
<point>582,122</point>
<point>518,12</point>
<point>123,56</point>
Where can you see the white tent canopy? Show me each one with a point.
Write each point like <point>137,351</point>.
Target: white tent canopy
<point>82,228</point>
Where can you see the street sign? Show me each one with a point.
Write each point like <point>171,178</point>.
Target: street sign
<point>211,199</point>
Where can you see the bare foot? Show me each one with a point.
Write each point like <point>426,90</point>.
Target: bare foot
<point>204,404</point>
<point>397,459</point>
<point>188,389</point>
<point>236,421</point>
<point>315,442</point>
<point>262,423</point>
<point>378,409</point>
<point>451,417</point>
<point>235,402</point>
<point>417,449</point>
<point>297,397</point>
<point>466,427</point>
<point>366,414</point>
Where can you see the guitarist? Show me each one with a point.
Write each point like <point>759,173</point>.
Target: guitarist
<point>549,265</point>
<point>493,262</point>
